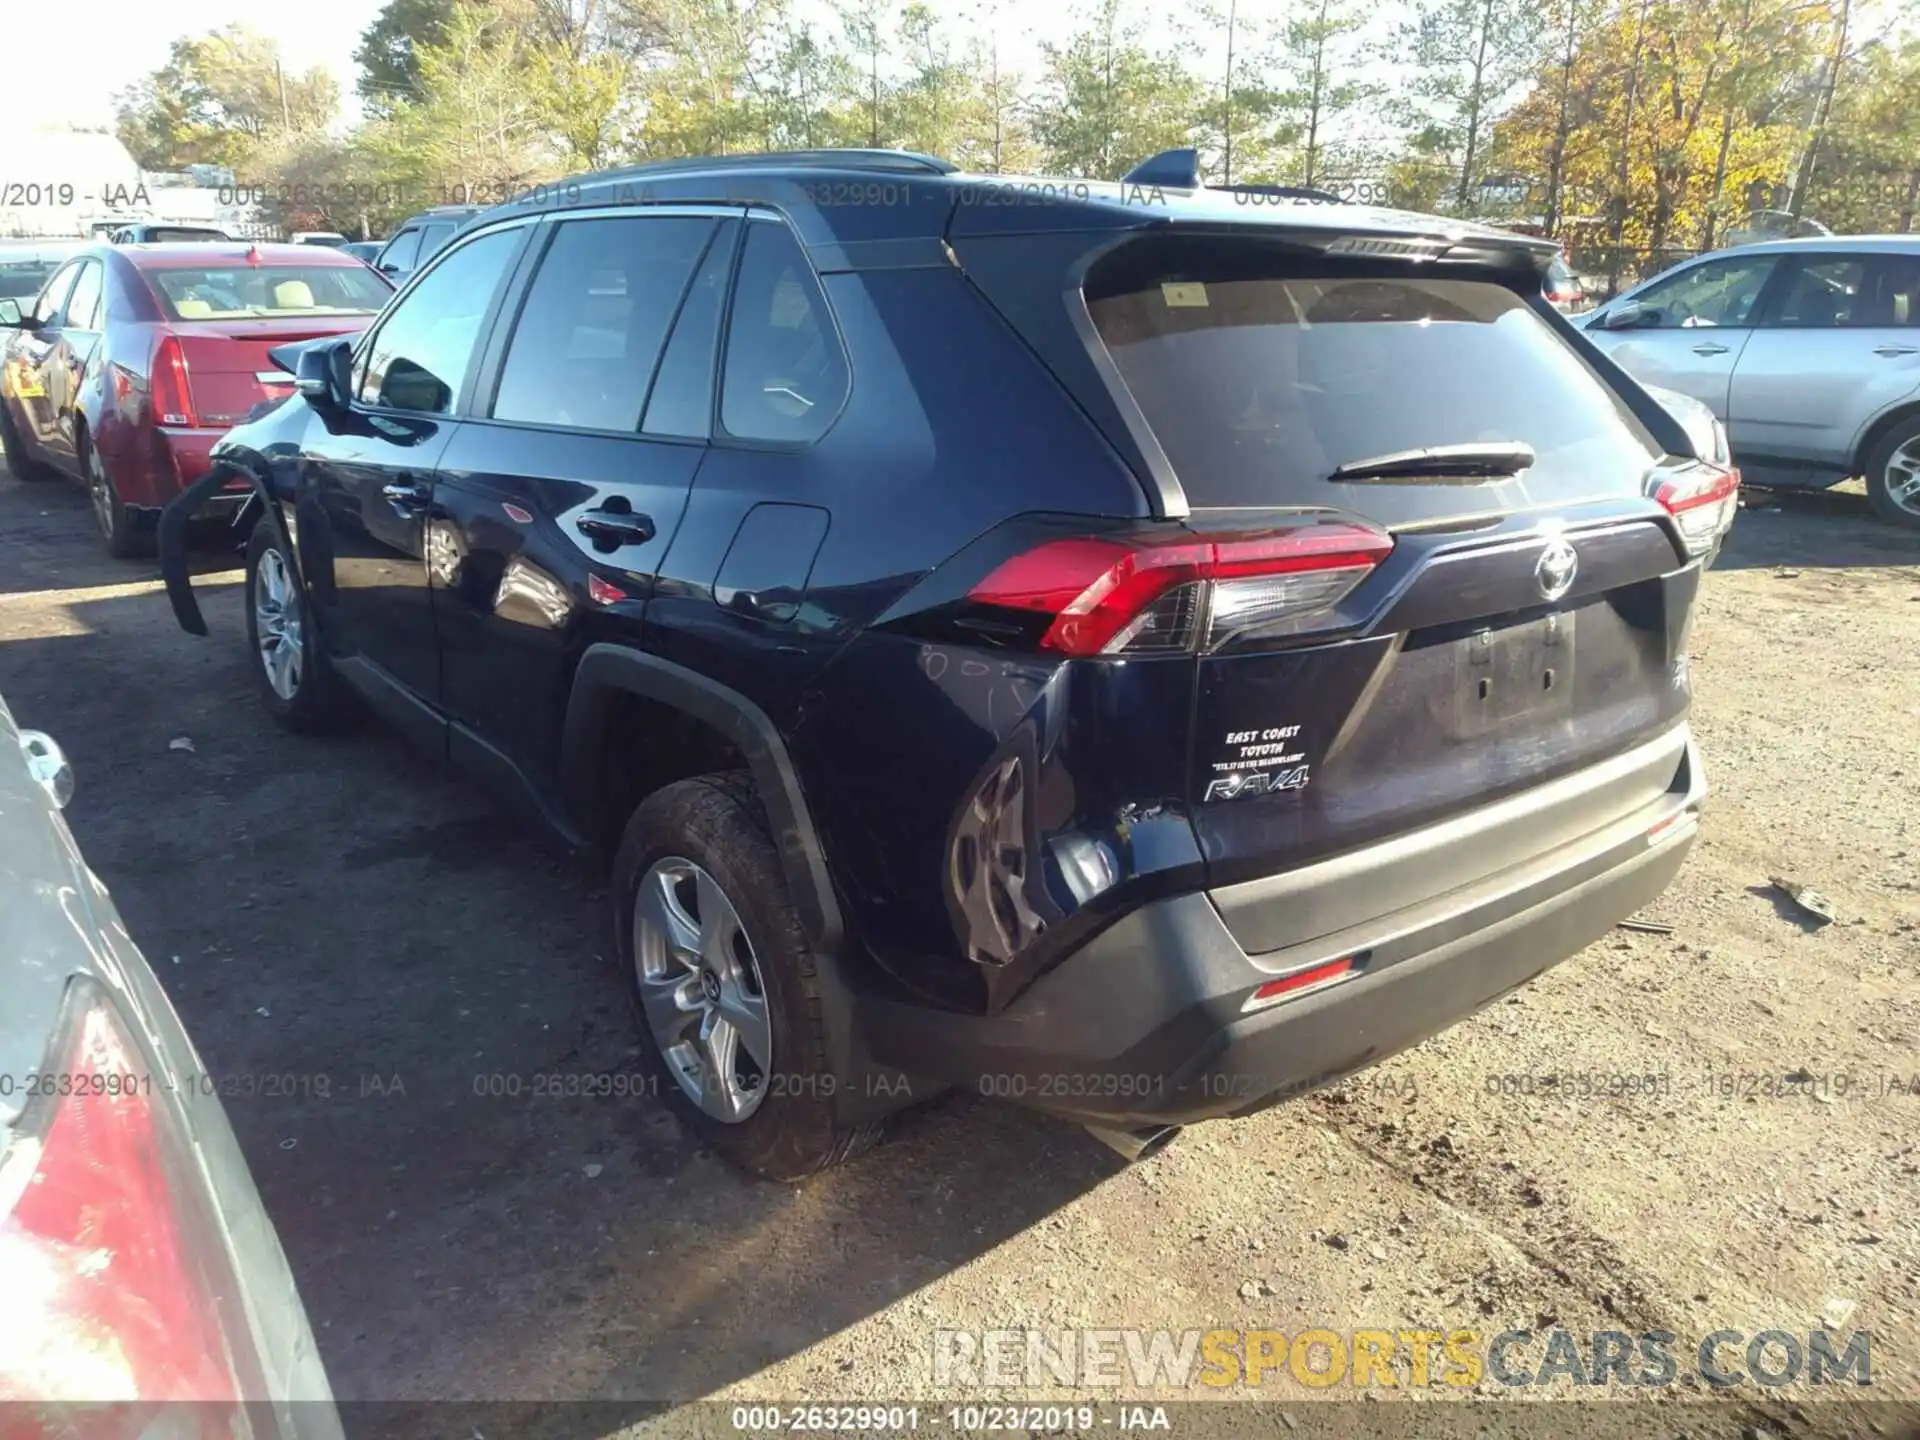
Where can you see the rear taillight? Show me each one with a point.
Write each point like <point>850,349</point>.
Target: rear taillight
<point>1107,595</point>
<point>106,1261</point>
<point>172,395</point>
<point>1702,499</point>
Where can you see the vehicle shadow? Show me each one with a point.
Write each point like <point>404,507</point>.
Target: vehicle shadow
<point>38,549</point>
<point>1816,529</point>
<point>407,999</point>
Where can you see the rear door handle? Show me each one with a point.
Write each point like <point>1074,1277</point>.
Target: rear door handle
<point>610,529</point>
<point>407,494</point>
<point>1891,350</point>
<point>1709,349</point>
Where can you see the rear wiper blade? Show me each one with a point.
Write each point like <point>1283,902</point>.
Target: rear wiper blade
<point>1478,461</point>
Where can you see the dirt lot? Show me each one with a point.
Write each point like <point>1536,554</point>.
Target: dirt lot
<point>338,908</point>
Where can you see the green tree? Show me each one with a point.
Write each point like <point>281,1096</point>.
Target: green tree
<point>934,100</point>
<point>865,26</point>
<point>389,71</point>
<point>1239,113</point>
<point>474,130</point>
<point>1107,102</point>
<point>1468,58</point>
<point>998,138</point>
<point>1321,54</point>
<point>216,99</point>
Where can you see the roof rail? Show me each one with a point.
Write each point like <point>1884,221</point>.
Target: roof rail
<point>1173,169</point>
<point>905,161</point>
<point>1287,192</point>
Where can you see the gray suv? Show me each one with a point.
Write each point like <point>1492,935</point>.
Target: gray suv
<point>1808,350</point>
<point>419,239</point>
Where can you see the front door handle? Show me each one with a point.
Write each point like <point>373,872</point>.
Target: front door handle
<point>1892,350</point>
<point>407,494</point>
<point>610,529</point>
<point>1709,348</point>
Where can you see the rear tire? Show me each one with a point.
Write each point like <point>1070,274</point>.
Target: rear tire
<point>123,538</point>
<point>1893,475</point>
<point>15,450</point>
<point>300,689</point>
<point>711,943</point>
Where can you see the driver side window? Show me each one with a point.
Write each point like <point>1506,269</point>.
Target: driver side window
<point>419,357</point>
<point>1720,292</point>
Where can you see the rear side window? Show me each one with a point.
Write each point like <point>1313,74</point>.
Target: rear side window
<point>1822,294</point>
<point>595,319</point>
<point>786,375</point>
<point>431,239</point>
<point>1259,388</point>
<point>419,357</point>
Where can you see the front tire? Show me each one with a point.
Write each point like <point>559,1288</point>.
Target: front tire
<point>727,991</point>
<point>299,687</point>
<point>1893,475</point>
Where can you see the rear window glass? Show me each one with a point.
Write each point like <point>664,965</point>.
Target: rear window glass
<point>158,233</point>
<point>1258,388</point>
<point>237,292</point>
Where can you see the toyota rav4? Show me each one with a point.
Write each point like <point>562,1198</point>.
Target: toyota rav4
<point>1119,647</point>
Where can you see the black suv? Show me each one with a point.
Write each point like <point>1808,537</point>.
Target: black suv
<point>1132,649</point>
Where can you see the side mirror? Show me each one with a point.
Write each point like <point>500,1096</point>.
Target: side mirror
<point>10,314</point>
<point>324,378</point>
<point>1630,316</point>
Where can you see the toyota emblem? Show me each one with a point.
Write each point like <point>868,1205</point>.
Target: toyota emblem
<point>1557,566</point>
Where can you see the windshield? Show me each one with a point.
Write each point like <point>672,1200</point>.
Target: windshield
<point>238,292</point>
<point>1260,387</point>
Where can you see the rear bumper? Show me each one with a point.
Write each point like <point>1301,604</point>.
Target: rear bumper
<point>180,457</point>
<point>1153,1022</point>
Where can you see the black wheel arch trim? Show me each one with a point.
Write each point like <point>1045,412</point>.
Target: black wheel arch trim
<point>608,669</point>
<point>178,513</point>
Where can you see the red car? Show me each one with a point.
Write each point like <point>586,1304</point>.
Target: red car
<point>133,360</point>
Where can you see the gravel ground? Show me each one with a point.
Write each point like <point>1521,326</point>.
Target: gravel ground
<point>341,911</point>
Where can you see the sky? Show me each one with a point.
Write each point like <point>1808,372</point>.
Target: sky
<point>134,41</point>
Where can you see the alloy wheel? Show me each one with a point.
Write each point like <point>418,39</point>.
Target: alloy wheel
<point>276,624</point>
<point>700,989</point>
<point>100,493</point>
<point>1903,476</point>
